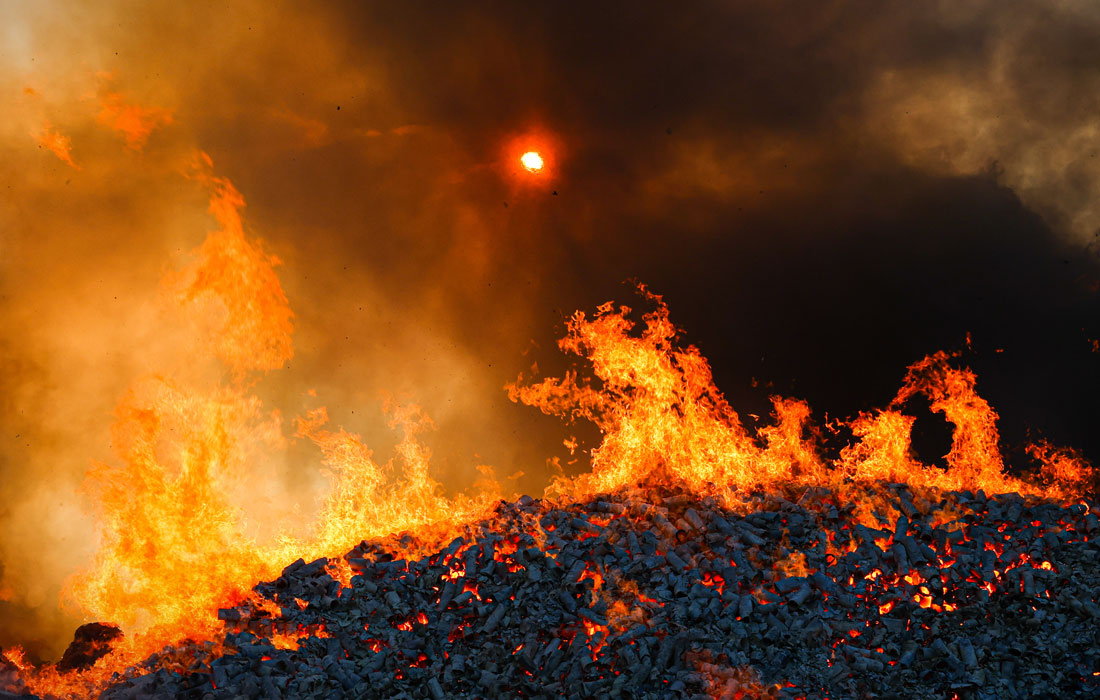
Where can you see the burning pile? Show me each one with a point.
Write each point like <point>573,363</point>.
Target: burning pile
<point>655,594</point>
<point>696,558</point>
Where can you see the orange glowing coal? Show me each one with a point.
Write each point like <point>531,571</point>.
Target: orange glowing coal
<point>532,161</point>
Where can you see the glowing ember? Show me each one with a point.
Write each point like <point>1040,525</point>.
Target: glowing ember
<point>532,161</point>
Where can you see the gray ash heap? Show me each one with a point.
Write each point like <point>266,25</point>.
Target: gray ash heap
<point>657,594</point>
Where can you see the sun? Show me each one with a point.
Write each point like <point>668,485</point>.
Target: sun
<point>532,161</point>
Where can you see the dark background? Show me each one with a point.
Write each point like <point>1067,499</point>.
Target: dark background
<point>834,256</point>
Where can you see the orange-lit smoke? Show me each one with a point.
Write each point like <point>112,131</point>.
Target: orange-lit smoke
<point>88,332</point>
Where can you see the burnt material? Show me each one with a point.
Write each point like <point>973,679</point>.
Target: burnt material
<point>662,595</point>
<point>11,684</point>
<point>90,642</point>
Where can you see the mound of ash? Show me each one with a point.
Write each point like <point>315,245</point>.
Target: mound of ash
<point>660,595</point>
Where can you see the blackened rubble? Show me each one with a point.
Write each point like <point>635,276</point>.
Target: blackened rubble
<point>90,642</point>
<point>661,595</point>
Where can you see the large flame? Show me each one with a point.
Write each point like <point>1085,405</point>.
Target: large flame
<point>663,419</point>
<point>232,287</point>
<point>172,544</point>
<point>173,538</point>
<point>661,414</point>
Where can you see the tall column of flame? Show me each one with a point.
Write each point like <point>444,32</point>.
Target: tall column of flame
<point>661,415</point>
<point>171,542</point>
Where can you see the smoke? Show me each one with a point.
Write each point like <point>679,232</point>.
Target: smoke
<point>824,193</point>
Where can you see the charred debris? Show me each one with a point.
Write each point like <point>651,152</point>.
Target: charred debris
<point>658,595</point>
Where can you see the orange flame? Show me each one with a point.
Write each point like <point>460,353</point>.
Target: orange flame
<point>171,543</point>
<point>1064,472</point>
<point>135,123</point>
<point>793,565</point>
<point>731,683</point>
<point>975,459</point>
<point>57,143</point>
<point>360,505</point>
<point>661,415</point>
<point>233,282</point>
<point>663,420</point>
<point>173,547</point>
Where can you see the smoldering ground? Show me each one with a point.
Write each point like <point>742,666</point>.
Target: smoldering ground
<point>824,193</point>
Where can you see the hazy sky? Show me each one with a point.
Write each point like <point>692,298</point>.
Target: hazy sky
<point>824,192</point>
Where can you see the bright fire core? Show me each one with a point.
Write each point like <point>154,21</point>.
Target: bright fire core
<point>532,161</point>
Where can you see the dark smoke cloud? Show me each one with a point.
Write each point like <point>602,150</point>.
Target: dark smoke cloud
<point>825,192</point>
<point>837,188</point>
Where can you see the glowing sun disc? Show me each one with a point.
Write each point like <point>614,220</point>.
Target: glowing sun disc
<point>532,161</point>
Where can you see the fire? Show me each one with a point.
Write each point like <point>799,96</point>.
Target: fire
<point>359,504</point>
<point>134,122</point>
<point>15,656</point>
<point>595,576</point>
<point>660,414</point>
<point>663,420</point>
<point>793,565</point>
<point>532,160</point>
<point>57,143</point>
<point>1064,471</point>
<point>724,682</point>
<point>340,570</point>
<point>231,289</point>
<point>173,544</point>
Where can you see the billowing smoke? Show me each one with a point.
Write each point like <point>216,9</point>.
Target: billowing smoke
<point>823,192</point>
